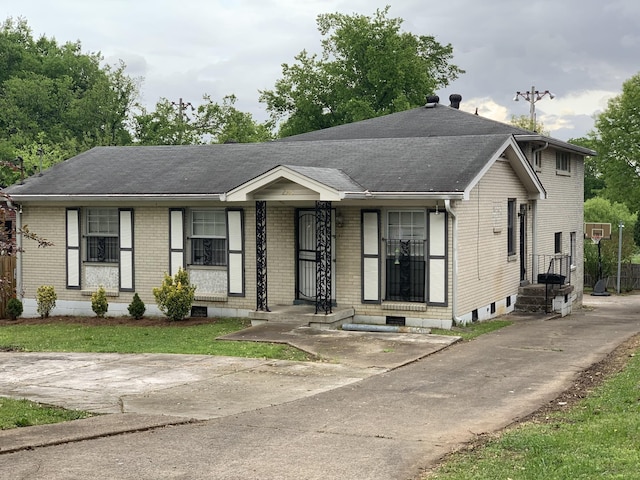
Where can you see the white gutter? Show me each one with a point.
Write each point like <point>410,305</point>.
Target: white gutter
<point>402,195</point>
<point>164,197</point>
<point>454,263</point>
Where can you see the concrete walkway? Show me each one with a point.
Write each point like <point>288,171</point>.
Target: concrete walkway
<point>300,421</point>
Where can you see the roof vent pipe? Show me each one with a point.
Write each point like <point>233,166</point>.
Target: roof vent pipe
<point>432,101</point>
<point>455,100</point>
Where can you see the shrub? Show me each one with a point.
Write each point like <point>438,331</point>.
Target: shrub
<point>99,303</point>
<point>46,298</point>
<point>14,308</point>
<point>136,307</point>
<point>175,296</point>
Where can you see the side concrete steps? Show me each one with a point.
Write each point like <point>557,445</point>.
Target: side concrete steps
<point>539,298</point>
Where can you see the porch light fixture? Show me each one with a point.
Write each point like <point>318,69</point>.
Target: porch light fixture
<point>533,96</point>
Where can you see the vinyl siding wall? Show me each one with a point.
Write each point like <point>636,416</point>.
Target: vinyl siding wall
<point>486,273</point>
<point>563,211</point>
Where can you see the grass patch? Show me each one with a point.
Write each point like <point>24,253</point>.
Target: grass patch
<point>597,438</point>
<point>473,330</point>
<point>193,339</point>
<point>23,413</point>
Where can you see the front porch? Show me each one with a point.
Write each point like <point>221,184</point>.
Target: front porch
<point>303,315</point>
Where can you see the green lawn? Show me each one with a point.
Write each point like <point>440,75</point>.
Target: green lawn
<point>74,337</point>
<point>473,330</point>
<point>196,339</point>
<point>598,438</point>
<point>23,413</point>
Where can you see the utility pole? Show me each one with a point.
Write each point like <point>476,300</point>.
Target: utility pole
<point>182,116</point>
<point>532,96</point>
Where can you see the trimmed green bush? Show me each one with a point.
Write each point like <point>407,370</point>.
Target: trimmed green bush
<point>137,307</point>
<point>99,303</point>
<point>46,299</point>
<point>14,308</point>
<point>175,297</point>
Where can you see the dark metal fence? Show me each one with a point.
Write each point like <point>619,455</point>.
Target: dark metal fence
<point>558,265</point>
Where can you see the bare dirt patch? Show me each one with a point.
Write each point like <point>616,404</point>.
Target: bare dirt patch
<point>111,321</point>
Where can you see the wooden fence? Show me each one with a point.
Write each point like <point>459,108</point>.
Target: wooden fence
<point>7,281</point>
<point>629,279</point>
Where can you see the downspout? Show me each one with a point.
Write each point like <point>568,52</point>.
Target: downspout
<point>534,224</point>
<point>454,263</point>
<point>18,240</point>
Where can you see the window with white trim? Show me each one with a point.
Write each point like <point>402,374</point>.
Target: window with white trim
<point>572,245</point>
<point>405,249</point>
<point>563,162</point>
<point>511,226</point>
<point>537,160</point>
<point>208,237</point>
<point>102,235</point>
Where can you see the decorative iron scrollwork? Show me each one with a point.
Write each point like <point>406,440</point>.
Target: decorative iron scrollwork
<point>261,256</point>
<point>323,256</point>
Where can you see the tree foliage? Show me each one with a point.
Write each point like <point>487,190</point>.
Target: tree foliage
<point>56,101</point>
<point>524,121</point>
<point>182,124</point>
<point>368,68</point>
<point>617,138</point>
<point>594,182</point>
<point>601,210</point>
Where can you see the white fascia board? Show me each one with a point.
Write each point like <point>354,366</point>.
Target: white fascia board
<point>520,165</point>
<point>127,199</point>
<point>245,191</point>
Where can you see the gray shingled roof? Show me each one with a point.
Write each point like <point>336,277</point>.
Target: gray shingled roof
<point>431,164</point>
<point>438,121</point>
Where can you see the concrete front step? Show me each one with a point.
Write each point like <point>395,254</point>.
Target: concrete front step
<point>303,315</point>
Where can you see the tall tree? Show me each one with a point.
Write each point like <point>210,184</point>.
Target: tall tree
<point>617,137</point>
<point>55,98</point>
<point>593,180</point>
<point>368,68</point>
<point>181,124</point>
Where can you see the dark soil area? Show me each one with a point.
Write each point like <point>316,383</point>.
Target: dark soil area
<point>97,321</point>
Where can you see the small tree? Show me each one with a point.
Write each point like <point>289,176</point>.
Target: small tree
<point>175,296</point>
<point>46,299</point>
<point>137,307</point>
<point>99,302</point>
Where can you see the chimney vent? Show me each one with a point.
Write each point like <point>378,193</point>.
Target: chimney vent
<point>455,100</point>
<point>432,101</point>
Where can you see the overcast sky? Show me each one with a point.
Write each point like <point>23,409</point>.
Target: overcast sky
<point>580,50</point>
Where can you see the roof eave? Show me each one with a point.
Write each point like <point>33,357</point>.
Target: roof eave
<point>556,143</point>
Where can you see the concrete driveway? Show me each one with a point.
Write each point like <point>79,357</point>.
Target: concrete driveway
<point>384,425</point>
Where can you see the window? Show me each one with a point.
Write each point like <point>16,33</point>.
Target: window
<point>572,242</point>
<point>537,160</point>
<point>102,235</point>
<point>563,161</point>
<point>208,237</point>
<point>405,263</point>
<point>511,226</point>
<point>558,242</point>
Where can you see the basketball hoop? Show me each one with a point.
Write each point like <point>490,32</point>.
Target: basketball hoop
<point>596,237</point>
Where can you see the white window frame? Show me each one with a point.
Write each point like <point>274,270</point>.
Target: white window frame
<point>563,162</point>
<point>208,224</point>
<point>102,223</point>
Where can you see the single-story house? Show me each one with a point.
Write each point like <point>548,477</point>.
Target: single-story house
<point>425,218</point>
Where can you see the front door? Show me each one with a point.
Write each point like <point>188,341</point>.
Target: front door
<point>307,256</point>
